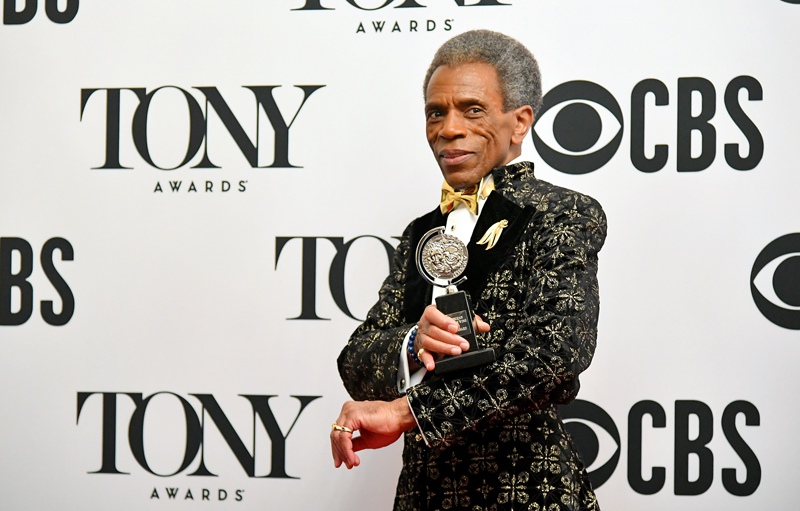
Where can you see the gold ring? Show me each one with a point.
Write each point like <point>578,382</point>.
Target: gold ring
<point>420,352</point>
<point>336,427</point>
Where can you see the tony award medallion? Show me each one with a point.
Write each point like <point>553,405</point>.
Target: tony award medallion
<point>444,257</point>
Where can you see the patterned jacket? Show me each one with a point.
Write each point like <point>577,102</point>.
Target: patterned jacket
<point>494,437</point>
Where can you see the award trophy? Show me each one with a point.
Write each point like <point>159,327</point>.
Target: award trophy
<point>444,257</point>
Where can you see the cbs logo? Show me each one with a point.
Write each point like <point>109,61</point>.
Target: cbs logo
<point>580,126</point>
<point>775,281</point>
<point>599,442</point>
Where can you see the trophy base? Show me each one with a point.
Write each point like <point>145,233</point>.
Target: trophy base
<point>465,361</point>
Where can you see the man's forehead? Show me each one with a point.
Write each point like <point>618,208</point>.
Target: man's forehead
<point>472,79</point>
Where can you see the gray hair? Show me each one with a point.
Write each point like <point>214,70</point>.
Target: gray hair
<point>517,69</point>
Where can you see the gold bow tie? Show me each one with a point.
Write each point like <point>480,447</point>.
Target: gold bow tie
<point>469,197</point>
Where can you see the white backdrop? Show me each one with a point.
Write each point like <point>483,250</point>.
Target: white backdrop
<point>173,301</point>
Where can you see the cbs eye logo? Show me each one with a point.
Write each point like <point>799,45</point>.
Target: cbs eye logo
<point>775,281</point>
<point>594,432</point>
<point>579,118</point>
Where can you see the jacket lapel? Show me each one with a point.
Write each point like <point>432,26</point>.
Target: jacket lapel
<point>483,262</point>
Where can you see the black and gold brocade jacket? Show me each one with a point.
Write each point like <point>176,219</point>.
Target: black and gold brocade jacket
<point>495,438</point>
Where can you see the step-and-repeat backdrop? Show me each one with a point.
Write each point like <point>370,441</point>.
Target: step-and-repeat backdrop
<point>199,199</point>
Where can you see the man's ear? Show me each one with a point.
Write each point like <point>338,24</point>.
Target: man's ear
<point>524,118</point>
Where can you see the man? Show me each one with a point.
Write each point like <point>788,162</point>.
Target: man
<point>488,437</point>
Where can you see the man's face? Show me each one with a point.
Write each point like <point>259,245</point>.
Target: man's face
<point>467,129</point>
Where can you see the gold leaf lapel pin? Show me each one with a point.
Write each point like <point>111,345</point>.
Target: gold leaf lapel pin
<point>493,234</point>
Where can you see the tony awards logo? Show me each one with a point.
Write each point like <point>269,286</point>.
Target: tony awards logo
<point>444,257</point>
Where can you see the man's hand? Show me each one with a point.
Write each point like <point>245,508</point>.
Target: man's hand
<point>437,336</point>
<point>379,423</point>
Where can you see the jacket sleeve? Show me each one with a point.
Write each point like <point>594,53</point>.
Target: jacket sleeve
<point>542,305</point>
<point>368,364</point>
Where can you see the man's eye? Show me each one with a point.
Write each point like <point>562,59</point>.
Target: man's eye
<point>433,114</point>
<point>475,110</point>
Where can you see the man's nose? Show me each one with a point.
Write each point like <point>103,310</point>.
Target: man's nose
<point>453,126</point>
